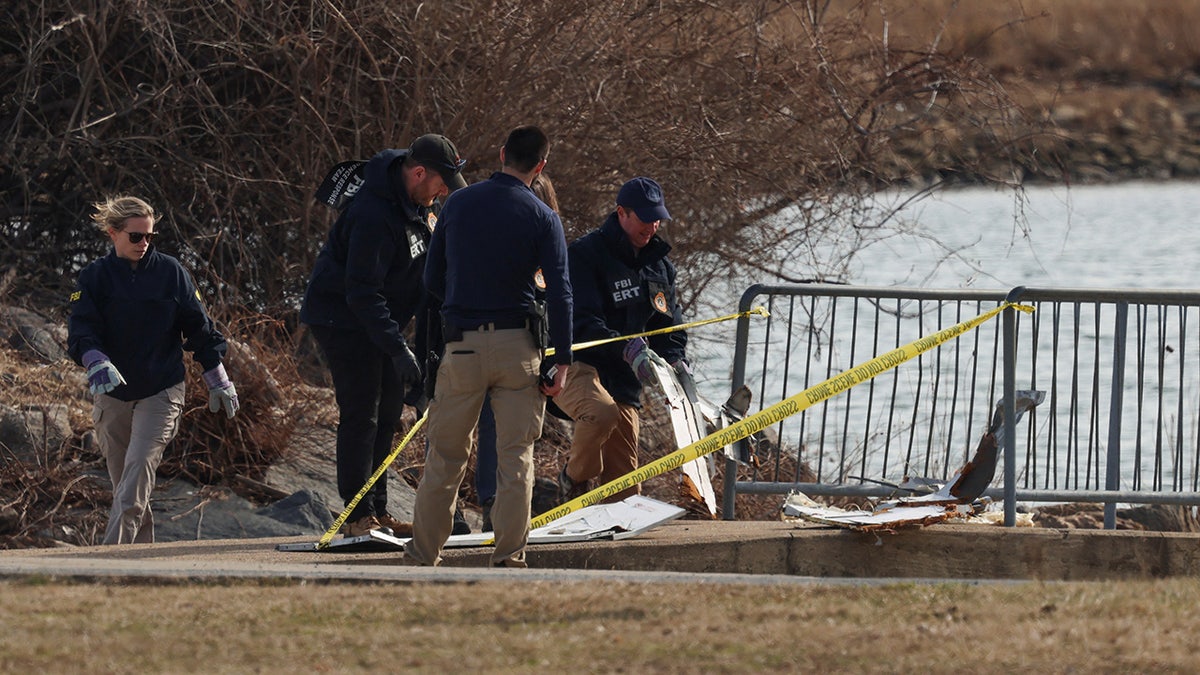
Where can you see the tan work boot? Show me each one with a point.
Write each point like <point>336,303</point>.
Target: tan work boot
<point>361,526</point>
<point>399,527</point>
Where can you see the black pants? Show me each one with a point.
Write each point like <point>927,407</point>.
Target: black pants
<point>370,400</point>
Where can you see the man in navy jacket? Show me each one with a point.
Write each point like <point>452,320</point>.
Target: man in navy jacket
<point>365,288</point>
<point>494,236</point>
<point>623,284</point>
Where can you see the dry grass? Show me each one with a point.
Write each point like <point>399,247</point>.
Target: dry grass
<point>598,626</point>
<point>1048,40</point>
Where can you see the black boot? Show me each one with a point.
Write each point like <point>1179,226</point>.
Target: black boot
<point>460,523</point>
<point>487,514</point>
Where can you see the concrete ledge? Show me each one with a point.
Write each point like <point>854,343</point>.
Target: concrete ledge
<point>962,552</point>
<point>940,551</point>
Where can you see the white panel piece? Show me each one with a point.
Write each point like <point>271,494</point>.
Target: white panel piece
<point>621,520</point>
<point>886,516</point>
<point>688,427</point>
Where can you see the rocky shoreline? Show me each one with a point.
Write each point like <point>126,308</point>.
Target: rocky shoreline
<point>1072,133</point>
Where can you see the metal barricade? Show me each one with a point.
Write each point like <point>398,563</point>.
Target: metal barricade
<point>1121,370</point>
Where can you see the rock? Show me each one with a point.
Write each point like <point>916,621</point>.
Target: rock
<point>35,434</point>
<point>31,333</point>
<point>312,465</point>
<point>246,370</point>
<point>185,512</point>
<point>1162,517</point>
<point>10,520</point>
<point>545,495</point>
<point>1152,517</point>
<point>313,468</point>
<point>306,509</point>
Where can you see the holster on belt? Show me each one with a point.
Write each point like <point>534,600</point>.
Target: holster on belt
<point>432,361</point>
<point>539,327</point>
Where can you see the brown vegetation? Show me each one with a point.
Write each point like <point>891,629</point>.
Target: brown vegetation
<point>226,115</point>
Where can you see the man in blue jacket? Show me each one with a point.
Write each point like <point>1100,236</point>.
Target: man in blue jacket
<point>623,284</point>
<point>365,288</point>
<point>492,239</point>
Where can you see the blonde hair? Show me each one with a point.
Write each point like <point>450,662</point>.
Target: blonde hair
<point>114,211</point>
<point>544,189</point>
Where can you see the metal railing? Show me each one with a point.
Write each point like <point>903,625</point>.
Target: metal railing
<point>1120,369</point>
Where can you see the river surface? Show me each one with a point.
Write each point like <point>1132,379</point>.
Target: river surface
<point>1134,235</point>
<point>1131,235</point>
<point>1128,235</point>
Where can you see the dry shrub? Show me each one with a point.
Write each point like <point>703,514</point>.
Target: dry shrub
<point>65,501</point>
<point>1049,41</point>
<point>27,380</point>
<point>65,496</point>
<point>226,115</point>
<point>212,448</point>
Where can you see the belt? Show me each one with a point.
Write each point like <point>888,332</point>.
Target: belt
<point>455,333</point>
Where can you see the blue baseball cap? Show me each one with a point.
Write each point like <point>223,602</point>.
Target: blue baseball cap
<point>645,197</point>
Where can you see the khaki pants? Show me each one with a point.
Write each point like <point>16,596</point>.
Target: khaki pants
<point>605,443</point>
<point>505,364</point>
<point>133,436</point>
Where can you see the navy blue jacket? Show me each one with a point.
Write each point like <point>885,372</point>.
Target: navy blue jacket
<point>491,238</point>
<point>368,275</point>
<point>139,317</point>
<point>620,292</point>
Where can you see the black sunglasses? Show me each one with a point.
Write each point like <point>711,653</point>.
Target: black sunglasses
<point>137,237</point>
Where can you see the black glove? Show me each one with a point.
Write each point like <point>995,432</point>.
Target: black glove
<point>407,368</point>
<point>415,397</point>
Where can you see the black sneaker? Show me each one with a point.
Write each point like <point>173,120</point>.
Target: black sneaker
<point>487,514</point>
<point>460,523</point>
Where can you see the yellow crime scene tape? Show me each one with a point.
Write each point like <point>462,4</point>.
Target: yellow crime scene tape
<point>341,519</point>
<point>772,415</point>
<point>760,311</point>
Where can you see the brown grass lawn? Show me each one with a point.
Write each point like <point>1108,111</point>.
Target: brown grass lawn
<point>599,627</point>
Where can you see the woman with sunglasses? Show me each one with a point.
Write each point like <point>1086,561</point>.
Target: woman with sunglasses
<point>133,313</point>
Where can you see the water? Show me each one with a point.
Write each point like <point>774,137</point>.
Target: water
<point>1134,235</point>
<point>1129,235</point>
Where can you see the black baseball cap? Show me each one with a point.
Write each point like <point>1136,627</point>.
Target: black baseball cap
<point>645,197</point>
<point>436,152</point>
